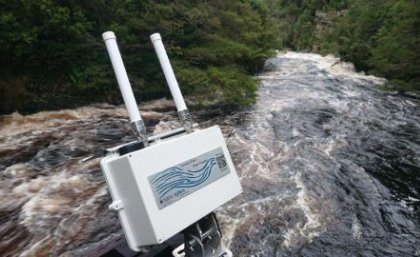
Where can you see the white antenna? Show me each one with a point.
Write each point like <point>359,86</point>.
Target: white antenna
<point>174,185</point>
<point>130,102</point>
<point>183,112</point>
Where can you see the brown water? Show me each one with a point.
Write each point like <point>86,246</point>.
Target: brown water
<point>329,165</point>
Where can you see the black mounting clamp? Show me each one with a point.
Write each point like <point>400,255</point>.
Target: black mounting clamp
<point>203,239</point>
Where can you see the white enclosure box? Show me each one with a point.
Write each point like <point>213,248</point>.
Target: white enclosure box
<point>160,190</point>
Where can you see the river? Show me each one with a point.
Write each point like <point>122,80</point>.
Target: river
<point>329,163</point>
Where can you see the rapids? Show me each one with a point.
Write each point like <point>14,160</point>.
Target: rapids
<point>329,163</point>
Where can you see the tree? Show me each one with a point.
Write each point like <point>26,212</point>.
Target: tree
<point>397,52</point>
<point>53,55</point>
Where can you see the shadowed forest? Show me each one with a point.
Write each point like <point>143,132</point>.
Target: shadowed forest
<point>53,57</point>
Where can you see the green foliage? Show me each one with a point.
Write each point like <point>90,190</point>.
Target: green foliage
<point>355,32</point>
<point>396,54</point>
<point>53,55</point>
<point>296,20</point>
<point>381,37</point>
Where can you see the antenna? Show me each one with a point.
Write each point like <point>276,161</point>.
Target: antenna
<point>183,112</point>
<point>124,84</point>
<point>174,185</point>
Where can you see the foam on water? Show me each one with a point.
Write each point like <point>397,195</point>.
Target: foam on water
<point>328,164</point>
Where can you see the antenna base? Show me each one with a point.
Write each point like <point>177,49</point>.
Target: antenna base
<point>140,131</point>
<point>186,121</point>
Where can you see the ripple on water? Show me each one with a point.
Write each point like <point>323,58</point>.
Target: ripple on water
<point>328,162</point>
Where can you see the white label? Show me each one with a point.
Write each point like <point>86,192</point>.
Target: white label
<point>174,183</point>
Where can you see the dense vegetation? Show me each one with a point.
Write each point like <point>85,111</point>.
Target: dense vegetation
<point>52,54</point>
<point>381,37</point>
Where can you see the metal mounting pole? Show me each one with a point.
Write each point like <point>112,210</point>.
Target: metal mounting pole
<point>204,239</point>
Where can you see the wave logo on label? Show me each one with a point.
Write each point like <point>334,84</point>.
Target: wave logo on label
<point>176,182</point>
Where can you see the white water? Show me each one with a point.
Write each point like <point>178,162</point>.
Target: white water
<point>327,162</point>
